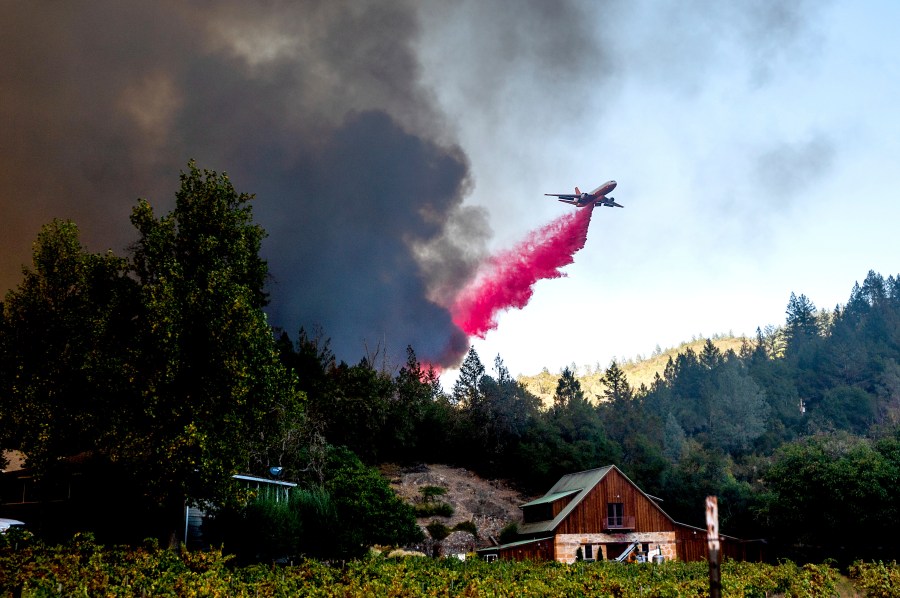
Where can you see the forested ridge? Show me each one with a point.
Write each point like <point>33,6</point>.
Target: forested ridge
<point>162,363</point>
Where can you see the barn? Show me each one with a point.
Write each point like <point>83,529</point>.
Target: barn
<point>600,514</point>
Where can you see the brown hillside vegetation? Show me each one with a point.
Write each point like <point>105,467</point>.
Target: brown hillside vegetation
<point>489,504</point>
<point>641,371</point>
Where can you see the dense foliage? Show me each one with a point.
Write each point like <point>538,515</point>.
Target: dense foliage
<point>796,433</point>
<point>355,508</point>
<point>877,579</point>
<point>162,364</point>
<point>83,568</point>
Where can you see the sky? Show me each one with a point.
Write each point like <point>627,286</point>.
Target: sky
<point>395,146</point>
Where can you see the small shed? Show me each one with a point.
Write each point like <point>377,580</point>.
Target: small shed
<point>277,490</point>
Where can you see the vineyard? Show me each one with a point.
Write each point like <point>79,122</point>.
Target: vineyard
<point>83,568</point>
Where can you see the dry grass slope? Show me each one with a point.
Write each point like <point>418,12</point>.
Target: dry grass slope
<point>543,385</point>
<point>489,504</point>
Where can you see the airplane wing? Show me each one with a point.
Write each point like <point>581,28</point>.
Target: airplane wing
<point>563,195</point>
<point>609,202</point>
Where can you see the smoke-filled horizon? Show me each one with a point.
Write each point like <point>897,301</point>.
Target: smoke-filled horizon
<point>394,146</point>
<point>357,180</point>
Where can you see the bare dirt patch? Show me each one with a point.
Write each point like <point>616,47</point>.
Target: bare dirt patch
<point>489,504</point>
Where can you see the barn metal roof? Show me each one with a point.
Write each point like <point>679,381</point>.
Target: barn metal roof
<point>581,483</point>
<point>549,498</point>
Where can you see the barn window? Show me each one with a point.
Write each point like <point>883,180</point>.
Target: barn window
<point>615,515</point>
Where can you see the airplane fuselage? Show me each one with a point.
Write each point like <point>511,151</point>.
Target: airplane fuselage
<point>597,197</point>
<point>603,189</point>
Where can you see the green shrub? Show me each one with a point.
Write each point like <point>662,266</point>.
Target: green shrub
<point>876,579</point>
<point>466,526</point>
<point>264,530</point>
<point>509,533</point>
<point>429,493</point>
<point>437,530</point>
<point>354,509</point>
<point>434,509</point>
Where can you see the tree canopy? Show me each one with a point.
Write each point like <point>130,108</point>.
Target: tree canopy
<point>163,362</point>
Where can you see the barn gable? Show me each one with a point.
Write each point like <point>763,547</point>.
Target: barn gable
<point>601,514</point>
<point>594,501</point>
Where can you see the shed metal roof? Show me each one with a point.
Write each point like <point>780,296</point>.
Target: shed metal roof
<point>250,478</point>
<point>513,544</point>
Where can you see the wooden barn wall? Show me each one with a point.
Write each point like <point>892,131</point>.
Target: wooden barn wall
<point>739,550</point>
<point>588,516</point>
<point>690,544</point>
<point>535,551</point>
<point>560,503</point>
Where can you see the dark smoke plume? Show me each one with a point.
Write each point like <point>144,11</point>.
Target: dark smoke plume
<point>318,107</point>
<point>314,106</point>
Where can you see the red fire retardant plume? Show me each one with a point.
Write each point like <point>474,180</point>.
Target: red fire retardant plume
<point>506,280</point>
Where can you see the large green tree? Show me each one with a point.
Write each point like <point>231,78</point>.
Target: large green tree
<point>210,380</point>
<point>738,411</point>
<point>498,421</point>
<point>65,338</point>
<point>368,511</point>
<point>824,489</point>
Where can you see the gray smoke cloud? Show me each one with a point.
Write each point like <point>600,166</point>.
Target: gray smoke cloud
<point>316,107</point>
<point>796,165</point>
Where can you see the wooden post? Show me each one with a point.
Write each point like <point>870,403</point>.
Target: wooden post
<point>715,552</point>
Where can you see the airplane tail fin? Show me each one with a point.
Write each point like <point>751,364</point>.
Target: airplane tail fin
<point>577,191</point>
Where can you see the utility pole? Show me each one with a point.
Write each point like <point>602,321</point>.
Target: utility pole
<point>715,547</point>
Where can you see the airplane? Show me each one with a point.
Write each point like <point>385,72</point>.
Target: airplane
<point>596,197</point>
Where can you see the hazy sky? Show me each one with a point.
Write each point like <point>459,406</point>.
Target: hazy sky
<point>392,145</point>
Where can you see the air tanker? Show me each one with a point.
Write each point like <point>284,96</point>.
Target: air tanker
<point>597,197</point>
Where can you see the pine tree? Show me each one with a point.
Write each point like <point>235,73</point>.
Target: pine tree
<point>467,388</point>
<point>617,388</point>
<point>568,389</point>
<point>801,325</point>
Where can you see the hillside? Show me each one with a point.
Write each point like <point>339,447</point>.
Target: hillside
<point>543,385</point>
<point>489,504</point>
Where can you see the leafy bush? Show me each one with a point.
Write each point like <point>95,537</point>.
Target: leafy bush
<point>437,530</point>
<point>432,509</point>
<point>429,493</point>
<point>368,511</point>
<point>466,526</point>
<point>16,538</point>
<point>509,533</point>
<point>355,508</point>
<point>876,579</point>
<point>264,530</point>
